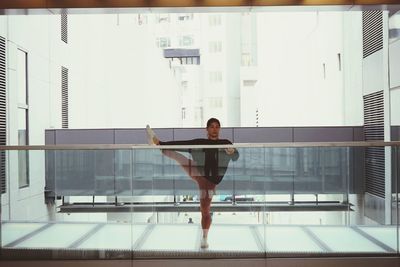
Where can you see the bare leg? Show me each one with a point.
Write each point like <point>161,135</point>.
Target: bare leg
<point>188,165</point>
<point>206,190</point>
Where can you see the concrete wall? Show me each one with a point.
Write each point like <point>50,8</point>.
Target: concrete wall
<point>39,37</point>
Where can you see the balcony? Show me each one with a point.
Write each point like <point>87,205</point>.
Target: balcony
<point>280,200</point>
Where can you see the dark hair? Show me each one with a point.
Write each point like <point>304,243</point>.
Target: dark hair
<point>213,120</point>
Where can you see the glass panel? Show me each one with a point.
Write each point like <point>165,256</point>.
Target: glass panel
<point>386,235</point>
<point>23,168</point>
<point>343,239</point>
<point>369,209</point>
<point>173,238</point>
<point>23,156</point>
<point>57,236</point>
<point>89,172</point>
<point>396,192</point>
<point>124,235</point>
<point>14,231</point>
<point>234,238</point>
<point>147,200</point>
<point>290,239</point>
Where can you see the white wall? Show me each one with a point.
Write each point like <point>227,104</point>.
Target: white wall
<point>37,36</point>
<point>128,87</point>
<point>232,65</point>
<point>352,67</point>
<point>291,82</point>
<point>248,97</point>
<point>394,68</point>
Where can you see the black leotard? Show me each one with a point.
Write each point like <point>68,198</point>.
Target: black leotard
<point>212,163</point>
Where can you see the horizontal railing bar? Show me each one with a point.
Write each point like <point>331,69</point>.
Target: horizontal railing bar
<point>63,4</point>
<point>236,145</point>
<point>239,206</point>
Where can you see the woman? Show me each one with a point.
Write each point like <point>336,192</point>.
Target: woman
<point>207,166</point>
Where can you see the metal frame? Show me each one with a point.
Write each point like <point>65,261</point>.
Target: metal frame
<point>47,4</point>
<point>236,145</point>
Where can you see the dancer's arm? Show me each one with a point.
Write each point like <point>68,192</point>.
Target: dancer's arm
<point>232,152</point>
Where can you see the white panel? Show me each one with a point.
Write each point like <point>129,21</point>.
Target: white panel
<point>232,238</point>
<point>3,26</point>
<point>29,206</point>
<point>172,237</point>
<point>13,231</point>
<point>394,64</point>
<point>39,110</point>
<point>280,239</point>
<point>293,77</point>
<point>124,236</point>
<point>38,67</point>
<point>11,56</point>
<point>373,73</point>
<point>386,235</point>
<point>342,239</point>
<point>352,68</point>
<point>57,236</point>
<point>395,106</point>
<point>104,87</point>
<point>289,239</point>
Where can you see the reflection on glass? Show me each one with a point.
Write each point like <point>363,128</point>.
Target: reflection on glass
<point>290,201</point>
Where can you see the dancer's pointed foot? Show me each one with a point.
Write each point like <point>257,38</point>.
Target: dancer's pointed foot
<point>152,138</point>
<point>204,243</point>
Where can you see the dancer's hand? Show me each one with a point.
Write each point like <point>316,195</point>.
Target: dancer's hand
<point>229,151</point>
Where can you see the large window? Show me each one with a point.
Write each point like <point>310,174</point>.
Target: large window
<point>23,122</point>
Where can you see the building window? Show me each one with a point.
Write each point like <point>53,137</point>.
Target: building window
<point>215,47</point>
<point>23,118</point>
<point>163,18</point>
<point>215,76</point>
<point>184,85</point>
<point>189,60</point>
<point>214,20</point>
<point>186,40</point>
<point>183,113</point>
<point>163,42</point>
<point>196,60</point>
<point>184,17</point>
<point>141,19</point>
<point>249,83</point>
<point>246,59</point>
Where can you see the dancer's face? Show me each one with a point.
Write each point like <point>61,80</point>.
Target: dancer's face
<point>213,131</point>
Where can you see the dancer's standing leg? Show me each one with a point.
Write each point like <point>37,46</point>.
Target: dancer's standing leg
<point>206,190</point>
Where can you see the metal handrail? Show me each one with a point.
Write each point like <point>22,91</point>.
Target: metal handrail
<point>236,145</point>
